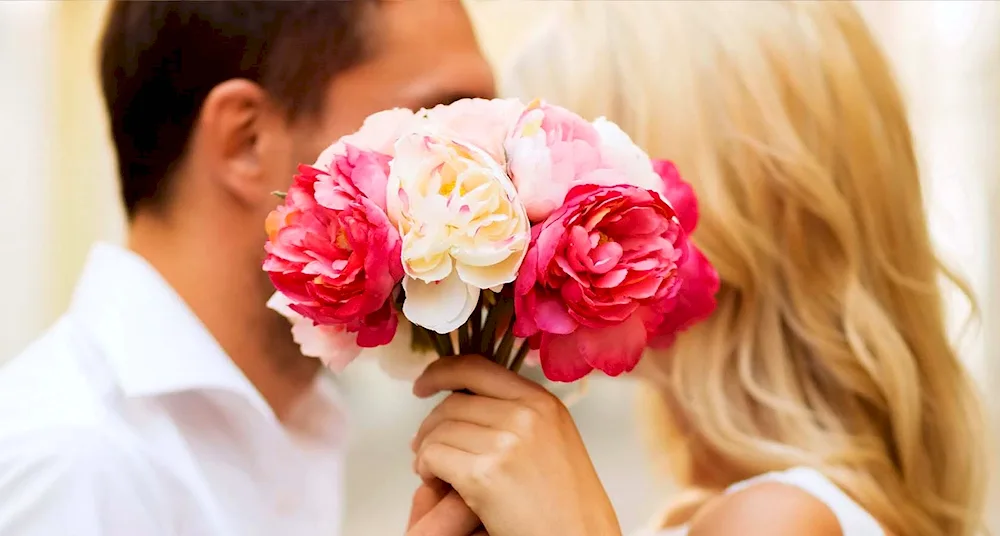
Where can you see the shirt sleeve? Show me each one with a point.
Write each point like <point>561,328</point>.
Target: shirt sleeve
<point>76,483</point>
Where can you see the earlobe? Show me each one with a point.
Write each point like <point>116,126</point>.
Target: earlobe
<point>230,125</point>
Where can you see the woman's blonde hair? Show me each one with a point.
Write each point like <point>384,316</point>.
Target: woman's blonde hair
<point>829,347</point>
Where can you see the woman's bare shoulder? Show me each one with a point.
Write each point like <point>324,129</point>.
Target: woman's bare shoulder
<point>766,509</point>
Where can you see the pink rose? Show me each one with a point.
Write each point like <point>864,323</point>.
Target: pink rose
<point>699,282</point>
<point>332,250</point>
<point>592,283</point>
<point>483,123</point>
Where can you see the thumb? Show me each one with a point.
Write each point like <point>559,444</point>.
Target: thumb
<point>449,517</point>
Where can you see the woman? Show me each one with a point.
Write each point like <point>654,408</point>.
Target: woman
<point>822,397</point>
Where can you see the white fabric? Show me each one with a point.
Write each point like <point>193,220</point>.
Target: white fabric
<point>854,520</point>
<point>127,418</point>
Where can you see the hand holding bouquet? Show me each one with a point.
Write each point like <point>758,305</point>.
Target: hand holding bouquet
<point>492,227</point>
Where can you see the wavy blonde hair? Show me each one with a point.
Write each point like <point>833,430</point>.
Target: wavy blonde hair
<point>829,347</point>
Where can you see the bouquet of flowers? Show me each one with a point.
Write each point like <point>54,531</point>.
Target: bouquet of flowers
<point>491,227</point>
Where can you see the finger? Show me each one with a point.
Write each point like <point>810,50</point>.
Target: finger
<point>476,374</point>
<point>446,462</point>
<point>427,496</point>
<point>471,438</point>
<point>466,437</point>
<point>481,410</point>
<point>450,517</point>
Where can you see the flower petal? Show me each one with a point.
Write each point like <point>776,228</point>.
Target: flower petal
<point>561,362</point>
<point>280,303</point>
<point>442,306</point>
<point>620,153</point>
<point>378,328</point>
<point>492,276</point>
<point>551,316</point>
<point>399,360</point>
<point>679,193</point>
<point>333,345</point>
<point>614,349</point>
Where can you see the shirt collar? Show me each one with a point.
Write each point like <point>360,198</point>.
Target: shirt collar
<point>152,341</point>
<point>155,345</point>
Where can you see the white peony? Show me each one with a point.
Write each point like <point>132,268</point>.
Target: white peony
<point>463,227</point>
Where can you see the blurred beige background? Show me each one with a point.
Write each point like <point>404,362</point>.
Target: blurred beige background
<point>59,195</point>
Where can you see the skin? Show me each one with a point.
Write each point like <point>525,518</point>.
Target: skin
<point>207,238</point>
<point>512,451</point>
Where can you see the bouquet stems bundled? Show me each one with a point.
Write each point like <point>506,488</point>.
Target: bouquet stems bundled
<point>488,332</point>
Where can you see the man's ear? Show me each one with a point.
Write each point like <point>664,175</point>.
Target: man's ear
<point>230,126</point>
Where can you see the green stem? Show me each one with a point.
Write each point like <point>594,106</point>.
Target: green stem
<point>447,348</point>
<point>489,335</point>
<point>518,360</point>
<point>464,345</point>
<point>506,345</point>
<point>477,325</point>
<point>435,342</point>
<point>421,341</point>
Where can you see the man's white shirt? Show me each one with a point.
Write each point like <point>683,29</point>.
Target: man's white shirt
<point>128,418</point>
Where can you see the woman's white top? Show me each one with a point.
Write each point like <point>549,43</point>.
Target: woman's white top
<point>854,520</point>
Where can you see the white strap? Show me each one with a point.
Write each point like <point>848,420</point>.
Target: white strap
<point>854,520</point>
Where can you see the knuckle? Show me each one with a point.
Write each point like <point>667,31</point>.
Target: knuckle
<point>507,442</point>
<point>524,419</point>
<point>427,450</point>
<point>548,405</point>
<point>431,436</point>
<point>485,472</point>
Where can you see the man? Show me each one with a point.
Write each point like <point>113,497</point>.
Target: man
<point>168,400</point>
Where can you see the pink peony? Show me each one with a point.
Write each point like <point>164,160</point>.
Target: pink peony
<point>695,301</point>
<point>679,193</point>
<point>332,250</point>
<point>622,161</point>
<point>378,133</point>
<point>483,123</point>
<point>551,150</point>
<point>333,345</point>
<point>699,281</point>
<point>594,279</point>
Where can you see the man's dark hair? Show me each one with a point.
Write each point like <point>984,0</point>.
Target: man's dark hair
<point>160,60</point>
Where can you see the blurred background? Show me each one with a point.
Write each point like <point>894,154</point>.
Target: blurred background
<point>59,195</point>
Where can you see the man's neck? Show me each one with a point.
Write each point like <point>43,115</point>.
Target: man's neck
<point>220,280</point>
